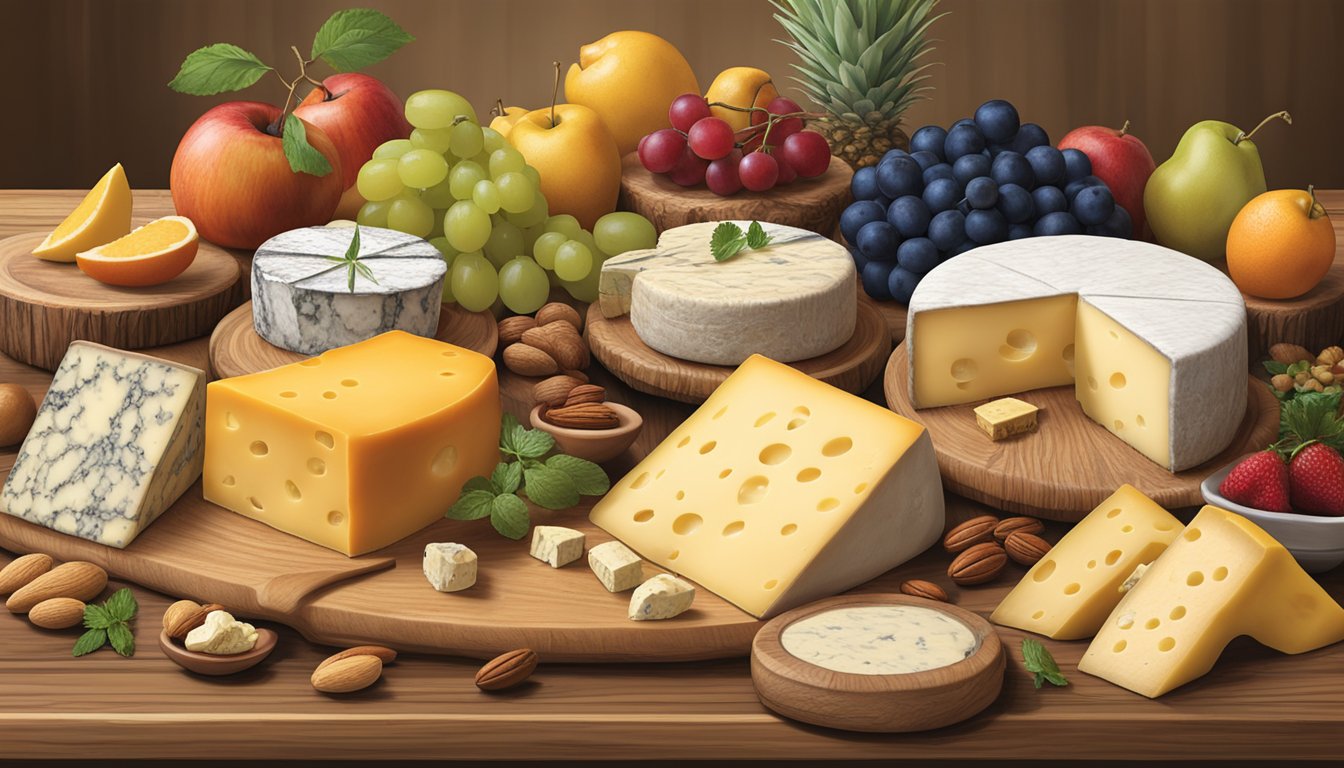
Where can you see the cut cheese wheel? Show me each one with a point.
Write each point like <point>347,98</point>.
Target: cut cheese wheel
<point>1153,341</point>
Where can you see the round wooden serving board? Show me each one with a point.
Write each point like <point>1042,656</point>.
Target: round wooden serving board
<point>237,350</point>
<point>852,367</point>
<point>813,204</point>
<point>1070,464</point>
<point>46,305</point>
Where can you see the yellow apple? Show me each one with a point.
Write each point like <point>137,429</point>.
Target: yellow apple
<point>630,78</point>
<point>504,123</point>
<point>576,157</point>
<point>741,87</point>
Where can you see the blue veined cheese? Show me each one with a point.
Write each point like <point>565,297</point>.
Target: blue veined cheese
<point>302,302</point>
<point>117,439</point>
<point>791,300</point>
<point>879,640</point>
<point>449,566</point>
<point>661,597</point>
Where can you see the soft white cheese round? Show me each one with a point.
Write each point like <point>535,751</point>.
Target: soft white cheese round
<point>879,640</point>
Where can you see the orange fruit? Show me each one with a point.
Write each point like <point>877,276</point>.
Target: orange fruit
<point>1281,244</point>
<point>102,216</point>
<point>152,254</point>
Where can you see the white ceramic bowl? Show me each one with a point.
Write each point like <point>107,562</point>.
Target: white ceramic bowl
<point>1316,541</point>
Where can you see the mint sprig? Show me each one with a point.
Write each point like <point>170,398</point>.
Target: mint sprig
<point>554,482</point>
<point>1039,661</point>
<point>351,258</point>
<point>109,622</point>
<point>728,239</point>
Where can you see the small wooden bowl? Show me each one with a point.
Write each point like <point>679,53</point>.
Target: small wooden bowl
<point>209,664</point>
<point>896,703</point>
<point>595,445</point>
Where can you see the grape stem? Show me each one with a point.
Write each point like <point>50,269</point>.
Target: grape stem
<point>1243,136</point>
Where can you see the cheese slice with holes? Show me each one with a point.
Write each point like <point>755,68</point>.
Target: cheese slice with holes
<point>1223,577</point>
<point>357,448</point>
<point>1153,341</point>
<point>780,490</point>
<point>1068,593</point>
<point>791,300</point>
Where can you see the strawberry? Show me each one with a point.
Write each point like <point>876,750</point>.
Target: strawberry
<point>1316,474</point>
<point>1260,482</point>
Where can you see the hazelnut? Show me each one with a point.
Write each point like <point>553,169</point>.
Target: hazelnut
<point>1282,382</point>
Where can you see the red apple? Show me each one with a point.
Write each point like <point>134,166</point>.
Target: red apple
<point>358,113</point>
<point>1120,159</point>
<point>231,178</point>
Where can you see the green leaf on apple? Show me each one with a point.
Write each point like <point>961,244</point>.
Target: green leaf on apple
<point>302,156</point>
<point>356,38</point>
<point>218,68</point>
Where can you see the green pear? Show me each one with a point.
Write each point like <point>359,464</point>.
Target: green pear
<point>1191,199</point>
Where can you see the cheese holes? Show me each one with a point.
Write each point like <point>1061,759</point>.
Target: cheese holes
<point>725,473</point>
<point>1194,579</point>
<point>707,447</point>
<point>1113,556</point>
<point>775,453</point>
<point>1072,589</point>
<point>800,416</point>
<point>329,395</point>
<point>1115,335</point>
<point>1020,345</point>
<point>809,474</point>
<point>640,481</point>
<point>753,490</point>
<point>685,441</point>
<point>1219,573</point>
<point>444,461</point>
<point>256,505</point>
<point>317,466</point>
<point>1068,354</point>
<point>1126,529</point>
<point>1126,621</point>
<point>1120,646</point>
<point>860,488</point>
<point>292,491</point>
<point>229,481</point>
<point>837,447</point>
<point>230,421</point>
<point>788,530</point>
<point>1153,623</point>
<point>446,374</point>
<point>450,353</point>
<point>674,554</point>
<point>1166,644</point>
<point>764,419</point>
<point>681,495</point>
<point>719,413</point>
<point>1119,425</point>
<point>289,395</point>
<point>827,504</point>
<point>1191,534</point>
<point>734,528</point>
<point>259,448</point>
<point>1140,421</point>
<point>1118,380</point>
<point>1038,615</point>
<point>643,515</point>
<point>1091,564</point>
<point>325,439</point>
<point>349,383</point>
<point>687,524</point>
<point>1178,613</point>
<point>1043,571</point>
<point>1091,383</point>
<point>335,517</point>
<point>964,370</point>
<point>771,584</point>
<point>1114,513</point>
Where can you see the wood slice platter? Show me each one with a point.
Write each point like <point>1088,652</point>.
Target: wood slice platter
<point>1070,463</point>
<point>237,350</point>
<point>46,305</point>
<point>813,204</point>
<point>895,315</point>
<point>852,367</point>
<point>1314,320</point>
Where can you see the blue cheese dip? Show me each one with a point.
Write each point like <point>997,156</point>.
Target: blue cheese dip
<point>879,640</point>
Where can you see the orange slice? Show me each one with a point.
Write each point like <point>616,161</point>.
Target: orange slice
<point>152,254</point>
<point>101,217</point>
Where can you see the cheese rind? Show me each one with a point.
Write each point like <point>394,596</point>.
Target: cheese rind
<point>1153,341</point>
<point>661,597</point>
<point>616,566</point>
<point>792,300</point>
<point>780,490</point>
<point>357,448</point>
<point>302,302</point>
<point>556,546</point>
<point>449,566</point>
<point>1222,578</point>
<point>1068,593</point>
<point>117,439</point>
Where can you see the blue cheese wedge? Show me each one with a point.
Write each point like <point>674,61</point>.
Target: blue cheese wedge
<point>556,546</point>
<point>302,302</point>
<point>661,597</point>
<point>450,567</point>
<point>879,640</point>
<point>616,566</point>
<point>117,439</point>
<point>791,300</point>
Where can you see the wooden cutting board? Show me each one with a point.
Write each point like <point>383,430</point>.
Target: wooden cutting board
<point>46,305</point>
<point>1070,464</point>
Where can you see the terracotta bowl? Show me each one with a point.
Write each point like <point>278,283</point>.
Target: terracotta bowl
<point>595,445</point>
<point>209,664</point>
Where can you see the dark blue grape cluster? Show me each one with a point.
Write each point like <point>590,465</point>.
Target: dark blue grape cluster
<point>984,180</point>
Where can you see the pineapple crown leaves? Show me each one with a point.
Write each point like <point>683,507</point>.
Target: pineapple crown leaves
<point>859,56</point>
<point>1309,419</point>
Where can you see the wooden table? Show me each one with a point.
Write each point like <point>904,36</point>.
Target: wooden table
<point>1255,705</point>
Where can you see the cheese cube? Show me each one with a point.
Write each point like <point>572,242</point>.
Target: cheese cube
<point>616,566</point>
<point>1222,578</point>
<point>357,448</point>
<point>1069,592</point>
<point>1006,417</point>
<point>117,440</point>
<point>780,490</point>
<point>556,546</point>
<point>661,597</point>
<point>450,567</point>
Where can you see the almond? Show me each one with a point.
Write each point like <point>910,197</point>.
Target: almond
<point>22,571</point>
<point>1026,548</point>
<point>511,329</point>
<point>561,342</point>
<point>185,619</point>
<point>174,613</point>
<point>382,653</point>
<point>925,589</point>
<point>977,565</point>
<point>353,673</point>
<point>1012,525</point>
<point>57,613</point>
<point>526,360</point>
<point>1289,353</point>
<point>582,416</point>
<point>586,393</point>
<point>974,531</point>
<point>507,670</point>
<point>576,374</point>
<point>555,390</point>
<point>78,579</point>
<point>558,312</point>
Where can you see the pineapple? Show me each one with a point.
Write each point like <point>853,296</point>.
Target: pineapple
<point>859,64</point>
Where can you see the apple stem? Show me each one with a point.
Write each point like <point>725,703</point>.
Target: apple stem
<point>1124,128</point>
<point>1243,136</point>
<point>1317,210</point>
<point>555,91</point>
<point>498,108</point>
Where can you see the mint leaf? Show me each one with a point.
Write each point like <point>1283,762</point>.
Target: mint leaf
<point>1275,367</point>
<point>756,237</point>
<point>1039,661</point>
<point>89,642</point>
<point>302,157</point>
<point>587,477</point>
<point>217,68</point>
<point>509,516</point>
<point>356,38</point>
<point>509,430</point>
<point>97,617</point>
<point>1301,366</point>
<point>473,505</point>
<point>507,477</point>
<point>726,241</point>
<point>479,483</point>
<point>551,488</point>
<point>123,641</point>
<point>121,605</point>
<point>534,443</point>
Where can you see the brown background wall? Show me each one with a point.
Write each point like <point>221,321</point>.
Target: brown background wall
<point>85,78</point>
